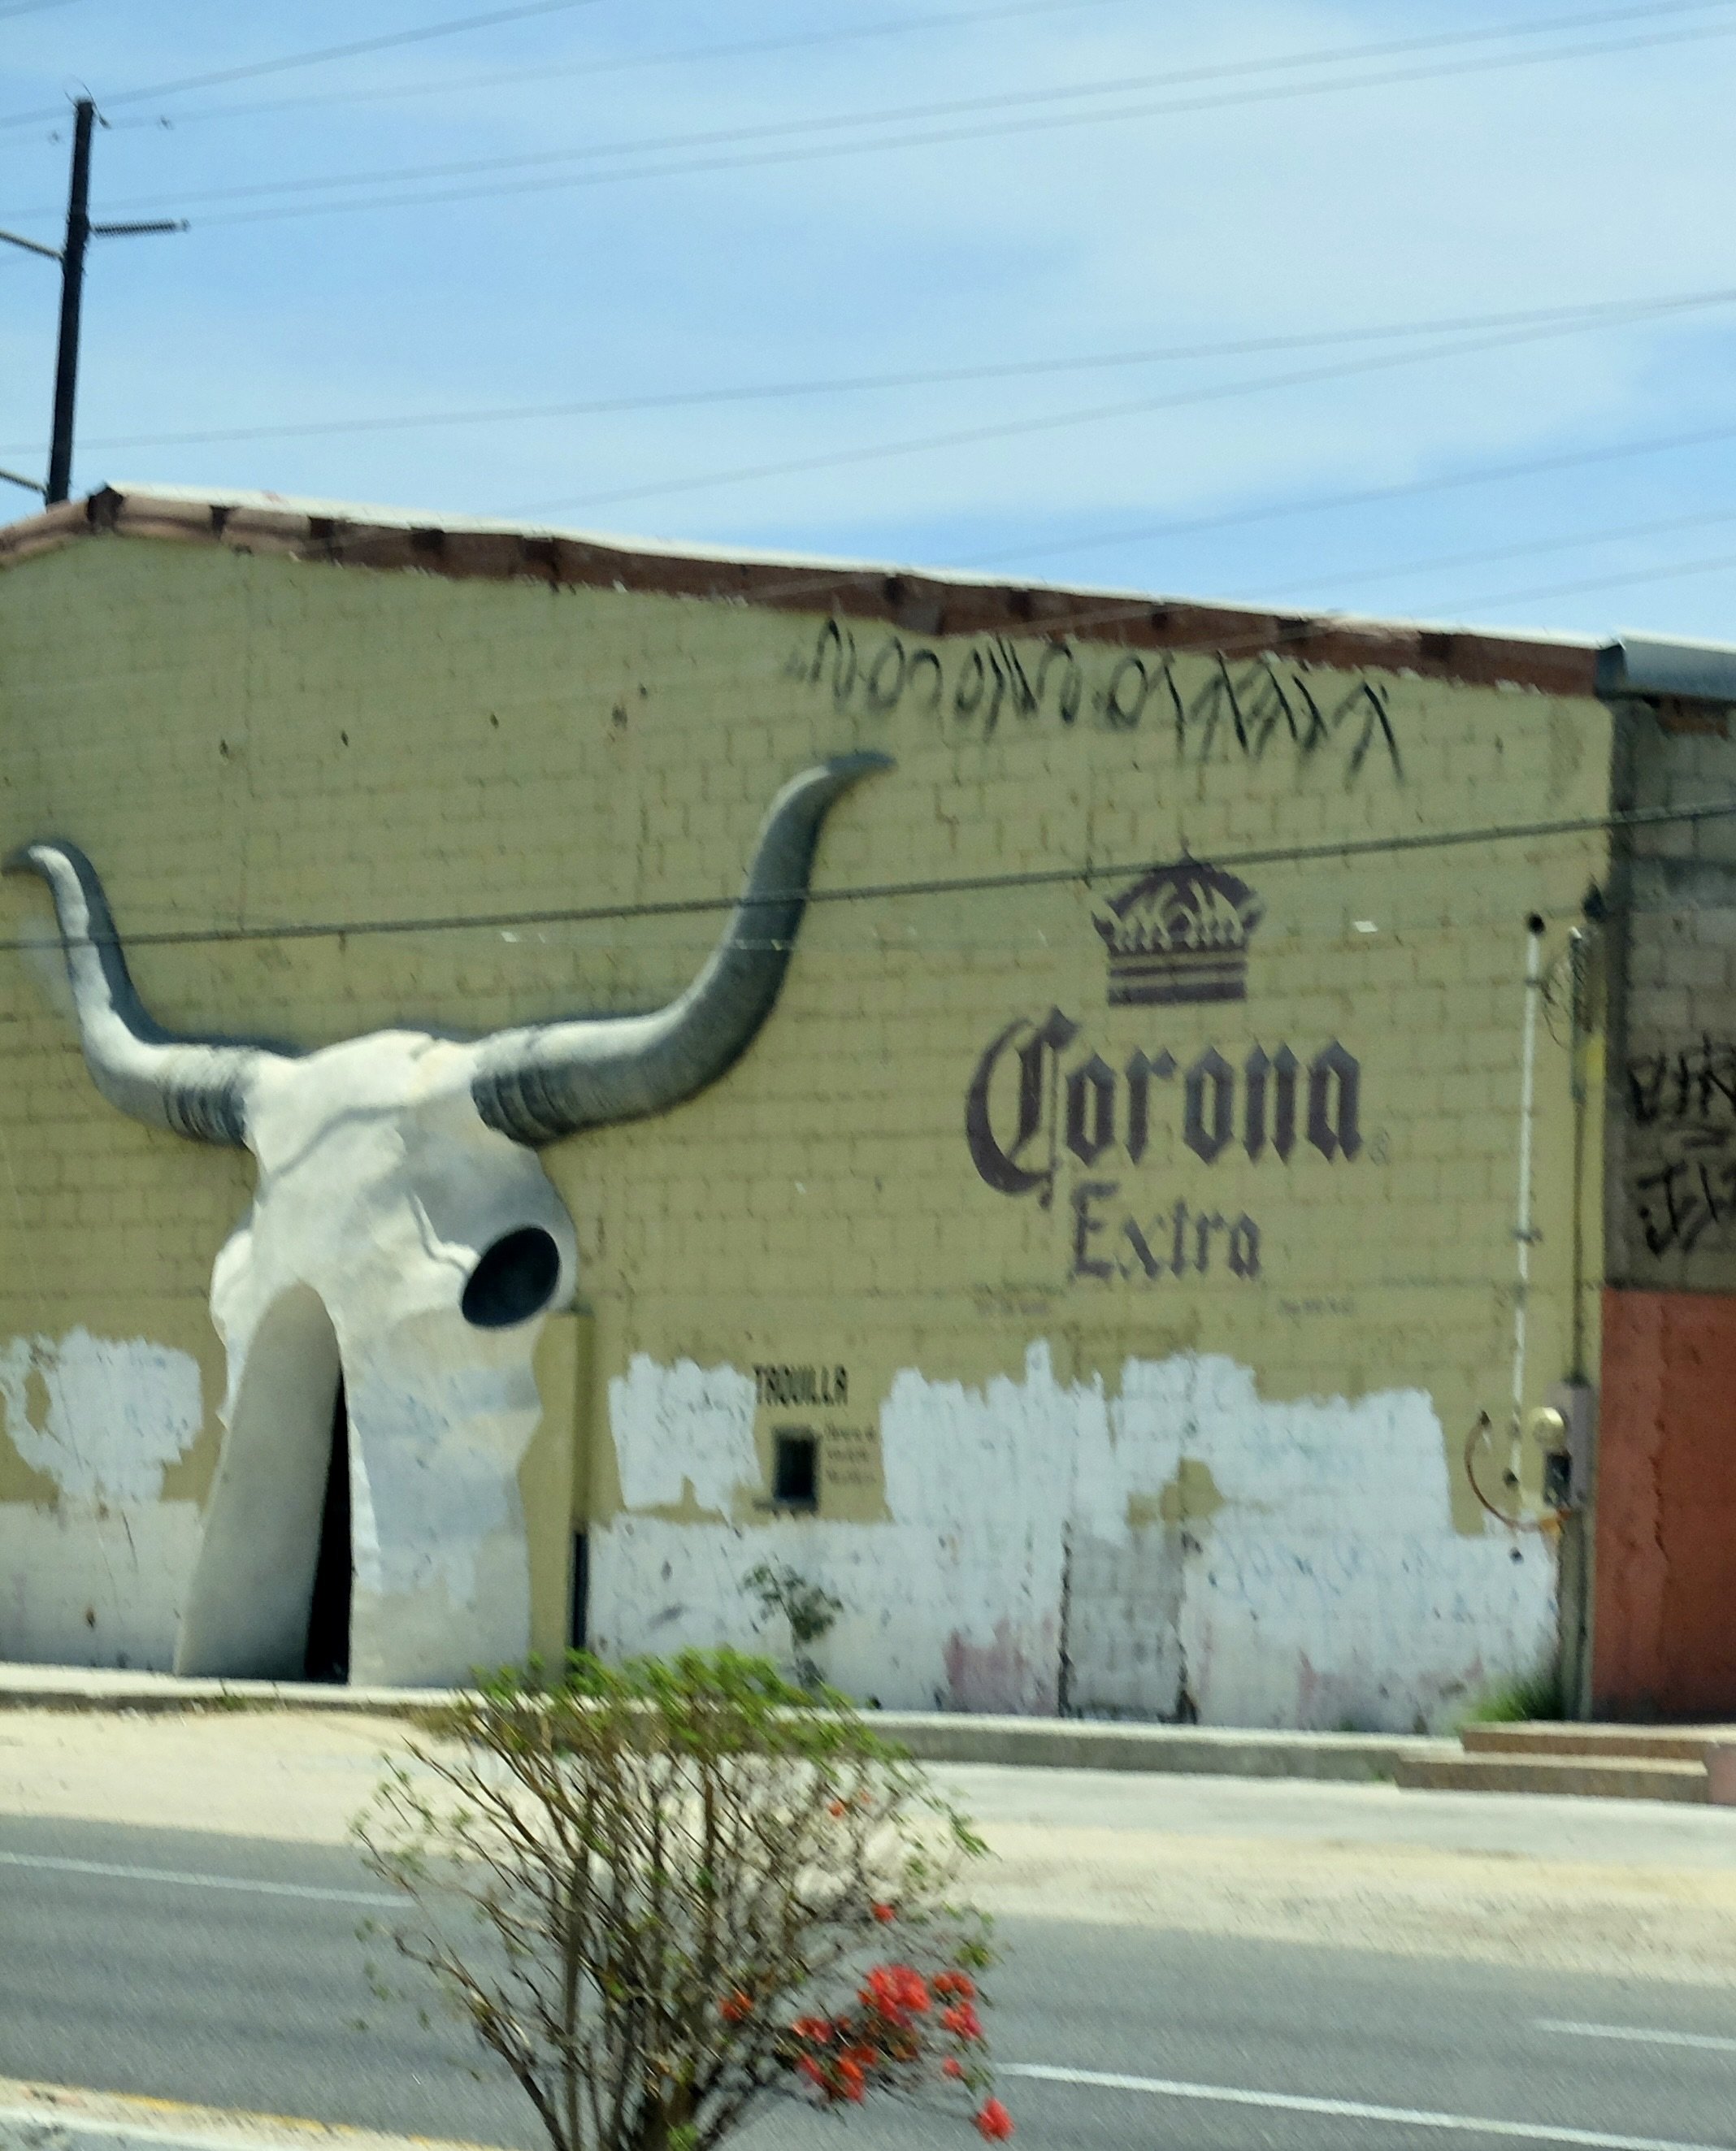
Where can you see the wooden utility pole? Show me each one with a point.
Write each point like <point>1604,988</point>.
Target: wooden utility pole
<point>71,299</point>
<point>79,232</point>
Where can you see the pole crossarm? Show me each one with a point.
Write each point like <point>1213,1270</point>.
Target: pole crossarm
<point>29,484</point>
<point>128,230</point>
<point>31,245</point>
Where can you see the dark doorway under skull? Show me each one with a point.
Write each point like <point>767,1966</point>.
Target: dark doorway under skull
<point>327,1656</point>
<point>272,1589</point>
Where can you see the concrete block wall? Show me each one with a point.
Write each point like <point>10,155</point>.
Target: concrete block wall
<point>1061,1466</point>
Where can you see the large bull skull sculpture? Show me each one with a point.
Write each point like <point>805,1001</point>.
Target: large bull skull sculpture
<point>403,1233</point>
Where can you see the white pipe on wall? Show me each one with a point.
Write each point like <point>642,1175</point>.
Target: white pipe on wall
<point>1522,1225</point>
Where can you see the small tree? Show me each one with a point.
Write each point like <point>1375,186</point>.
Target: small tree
<point>807,1609</point>
<point>662,1893</point>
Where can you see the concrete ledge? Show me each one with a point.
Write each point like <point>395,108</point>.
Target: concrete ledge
<point>1630,1743</point>
<point>1576,1777</point>
<point>1083,1743</point>
<point>1061,1744</point>
<point>36,2116</point>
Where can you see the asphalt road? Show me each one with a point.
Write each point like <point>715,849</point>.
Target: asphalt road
<point>227,1971</point>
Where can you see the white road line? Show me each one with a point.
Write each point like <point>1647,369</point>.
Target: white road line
<point>1350,2109</point>
<point>54,1866</point>
<point>1637,2034</point>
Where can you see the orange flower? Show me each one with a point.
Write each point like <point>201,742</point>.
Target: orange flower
<point>885,1914</point>
<point>962,2021</point>
<point>952,2067</point>
<point>736,2008</point>
<point>835,1809</point>
<point>994,2121</point>
<point>816,2031</point>
<point>896,1992</point>
<point>959,1983</point>
<point>812,2070</point>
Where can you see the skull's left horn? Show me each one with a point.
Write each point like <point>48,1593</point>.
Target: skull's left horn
<point>190,1087</point>
<point>548,1080</point>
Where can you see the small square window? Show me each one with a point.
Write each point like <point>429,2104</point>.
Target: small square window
<point>795,1468</point>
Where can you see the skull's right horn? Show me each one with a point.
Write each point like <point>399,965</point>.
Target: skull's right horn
<point>548,1080</point>
<point>191,1086</point>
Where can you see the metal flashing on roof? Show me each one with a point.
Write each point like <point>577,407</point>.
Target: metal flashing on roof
<point>1668,668</point>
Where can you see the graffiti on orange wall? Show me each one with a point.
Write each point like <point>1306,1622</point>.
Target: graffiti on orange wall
<point>1684,1099</point>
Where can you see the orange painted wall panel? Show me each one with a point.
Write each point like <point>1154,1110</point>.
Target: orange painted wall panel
<point>1665,1632</point>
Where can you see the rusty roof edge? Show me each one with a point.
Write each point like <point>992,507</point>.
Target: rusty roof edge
<point>43,532</point>
<point>912,601</point>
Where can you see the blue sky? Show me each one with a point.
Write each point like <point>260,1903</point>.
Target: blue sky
<point>1079,190</point>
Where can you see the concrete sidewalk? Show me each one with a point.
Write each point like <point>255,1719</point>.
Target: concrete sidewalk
<point>53,2117</point>
<point>1630,1888</point>
<point>1062,1743</point>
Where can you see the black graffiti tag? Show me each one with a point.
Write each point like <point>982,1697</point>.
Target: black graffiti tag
<point>1694,1084</point>
<point>1240,713</point>
<point>1685,1097</point>
<point>1686,1198</point>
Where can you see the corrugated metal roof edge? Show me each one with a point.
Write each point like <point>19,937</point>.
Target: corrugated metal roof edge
<point>912,601</point>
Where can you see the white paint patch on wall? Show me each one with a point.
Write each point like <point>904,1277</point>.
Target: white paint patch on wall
<point>102,1417</point>
<point>685,1425</point>
<point>84,1587</point>
<point>1318,1580</point>
<point>99,1577</point>
<point>954,1603</point>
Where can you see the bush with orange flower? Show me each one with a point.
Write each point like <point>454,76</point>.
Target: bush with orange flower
<point>663,1894</point>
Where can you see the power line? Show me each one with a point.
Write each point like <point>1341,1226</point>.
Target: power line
<point>317,58</point>
<point>1580,541</point>
<point>1495,833</point>
<point>1054,422</point>
<point>1614,312</point>
<point>1363,496</point>
<point>903,114</point>
<point>1331,55</point>
<point>876,145</point>
<point>625,62</point>
<point>1673,570</point>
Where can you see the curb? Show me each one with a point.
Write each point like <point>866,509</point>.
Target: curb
<point>1056,1743</point>
<point>36,2116</point>
<point>75,1688</point>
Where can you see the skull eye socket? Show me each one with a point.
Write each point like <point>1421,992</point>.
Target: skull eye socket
<point>514,1280</point>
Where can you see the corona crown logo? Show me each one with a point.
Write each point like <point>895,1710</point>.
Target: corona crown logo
<point>1180,932</point>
